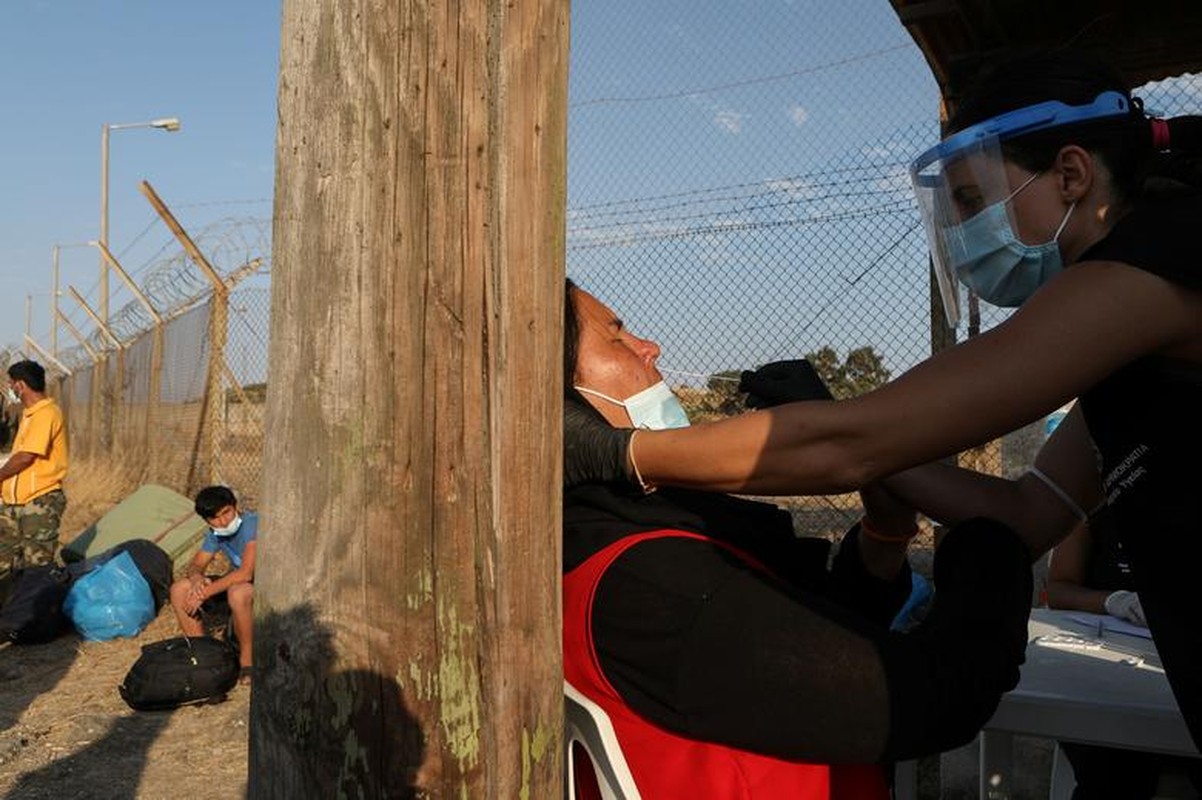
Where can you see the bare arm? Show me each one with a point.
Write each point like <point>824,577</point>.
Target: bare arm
<point>950,494</point>
<point>1064,341</point>
<point>243,574</point>
<point>195,573</point>
<point>16,462</point>
<point>196,567</point>
<point>1066,575</point>
<point>895,523</point>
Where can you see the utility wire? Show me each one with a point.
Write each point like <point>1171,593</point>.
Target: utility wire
<point>650,98</point>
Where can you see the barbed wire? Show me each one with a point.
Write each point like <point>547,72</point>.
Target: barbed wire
<point>790,185</point>
<point>172,283</point>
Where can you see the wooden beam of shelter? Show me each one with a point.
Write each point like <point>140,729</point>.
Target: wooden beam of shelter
<point>1147,41</point>
<point>94,317</point>
<point>79,337</point>
<point>129,282</point>
<point>182,236</point>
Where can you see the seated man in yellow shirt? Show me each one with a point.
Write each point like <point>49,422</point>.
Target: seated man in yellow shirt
<point>31,480</point>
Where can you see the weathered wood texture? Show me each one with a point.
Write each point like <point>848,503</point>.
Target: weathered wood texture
<point>407,596</point>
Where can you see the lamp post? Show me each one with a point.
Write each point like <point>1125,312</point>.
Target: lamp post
<point>169,124</point>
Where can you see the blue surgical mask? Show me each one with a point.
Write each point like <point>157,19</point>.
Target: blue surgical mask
<point>997,265</point>
<point>655,408</point>
<point>231,528</point>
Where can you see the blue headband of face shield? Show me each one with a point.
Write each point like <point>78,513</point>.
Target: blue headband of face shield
<point>976,155</point>
<point>1041,116</point>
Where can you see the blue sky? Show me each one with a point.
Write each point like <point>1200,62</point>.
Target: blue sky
<point>673,97</point>
<point>67,67</point>
<point>716,150</point>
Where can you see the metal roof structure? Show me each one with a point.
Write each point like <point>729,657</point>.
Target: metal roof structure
<point>1147,40</point>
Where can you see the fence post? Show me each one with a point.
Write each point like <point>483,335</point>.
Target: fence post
<point>205,464</point>
<point>213,424</point>
<point>153,395</point>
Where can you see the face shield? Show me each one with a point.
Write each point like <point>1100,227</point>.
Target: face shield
<point>965,174</point>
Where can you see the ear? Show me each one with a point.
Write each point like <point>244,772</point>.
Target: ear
<point>1076,170</point>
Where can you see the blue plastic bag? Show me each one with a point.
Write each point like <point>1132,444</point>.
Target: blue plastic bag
<point>921,595</point>
<point>110,601</point>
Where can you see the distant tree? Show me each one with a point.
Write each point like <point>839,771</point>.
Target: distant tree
<point>862,370</point>
<point>826,364</point>
<point>724,386</point>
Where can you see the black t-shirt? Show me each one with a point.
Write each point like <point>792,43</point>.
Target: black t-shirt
<point>799,664</point>
<point>698,641</point>
<point>1107,565</point>
<point>1146,422</point>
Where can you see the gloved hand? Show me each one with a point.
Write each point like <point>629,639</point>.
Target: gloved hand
<point>593,451</point>
<point>783,382</point>
<point>1125,605</point>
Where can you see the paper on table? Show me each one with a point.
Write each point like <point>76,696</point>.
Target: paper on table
<point>1110,623</point>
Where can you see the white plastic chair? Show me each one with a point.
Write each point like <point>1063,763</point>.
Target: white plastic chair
<point>586,724</point>
<point>1063,780</point>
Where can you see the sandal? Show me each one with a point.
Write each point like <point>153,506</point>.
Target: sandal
<point>244,675</point>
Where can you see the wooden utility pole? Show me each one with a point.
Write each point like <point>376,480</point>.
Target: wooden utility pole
<point>407,636</point>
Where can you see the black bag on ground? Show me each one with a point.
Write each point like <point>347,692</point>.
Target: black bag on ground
<point>179,671</point>
<point>151,560</point>
<point>33,610</point>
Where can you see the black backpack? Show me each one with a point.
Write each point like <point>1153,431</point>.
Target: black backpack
<point>33,610</point>
<point>181,671</point>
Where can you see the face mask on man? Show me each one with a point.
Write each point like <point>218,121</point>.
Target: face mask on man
<point>997,265</point>
<point>231,528</point>
<point>655,408</point>
<point>11,394</point>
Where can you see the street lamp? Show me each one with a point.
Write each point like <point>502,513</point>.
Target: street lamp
<point>169,124</point>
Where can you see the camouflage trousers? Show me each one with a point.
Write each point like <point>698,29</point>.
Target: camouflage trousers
<point>29,534</point>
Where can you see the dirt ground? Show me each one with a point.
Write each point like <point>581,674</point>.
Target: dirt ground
<point>66,734</point>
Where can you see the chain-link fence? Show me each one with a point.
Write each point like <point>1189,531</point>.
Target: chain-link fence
<point>171,390</point>
<point>169,408</point>
<point>238,449</point>
<point>736,191</point>
<point>741,195</point>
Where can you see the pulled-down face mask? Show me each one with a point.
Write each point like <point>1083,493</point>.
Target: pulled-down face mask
<point>655,408</point>
<point>231,528</point>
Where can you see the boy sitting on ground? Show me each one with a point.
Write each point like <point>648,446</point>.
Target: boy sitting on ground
<point>233,535</point>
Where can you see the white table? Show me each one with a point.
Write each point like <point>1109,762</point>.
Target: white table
<point>1110,691</point>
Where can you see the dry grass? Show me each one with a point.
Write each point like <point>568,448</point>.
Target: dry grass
<point>92,489</point>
